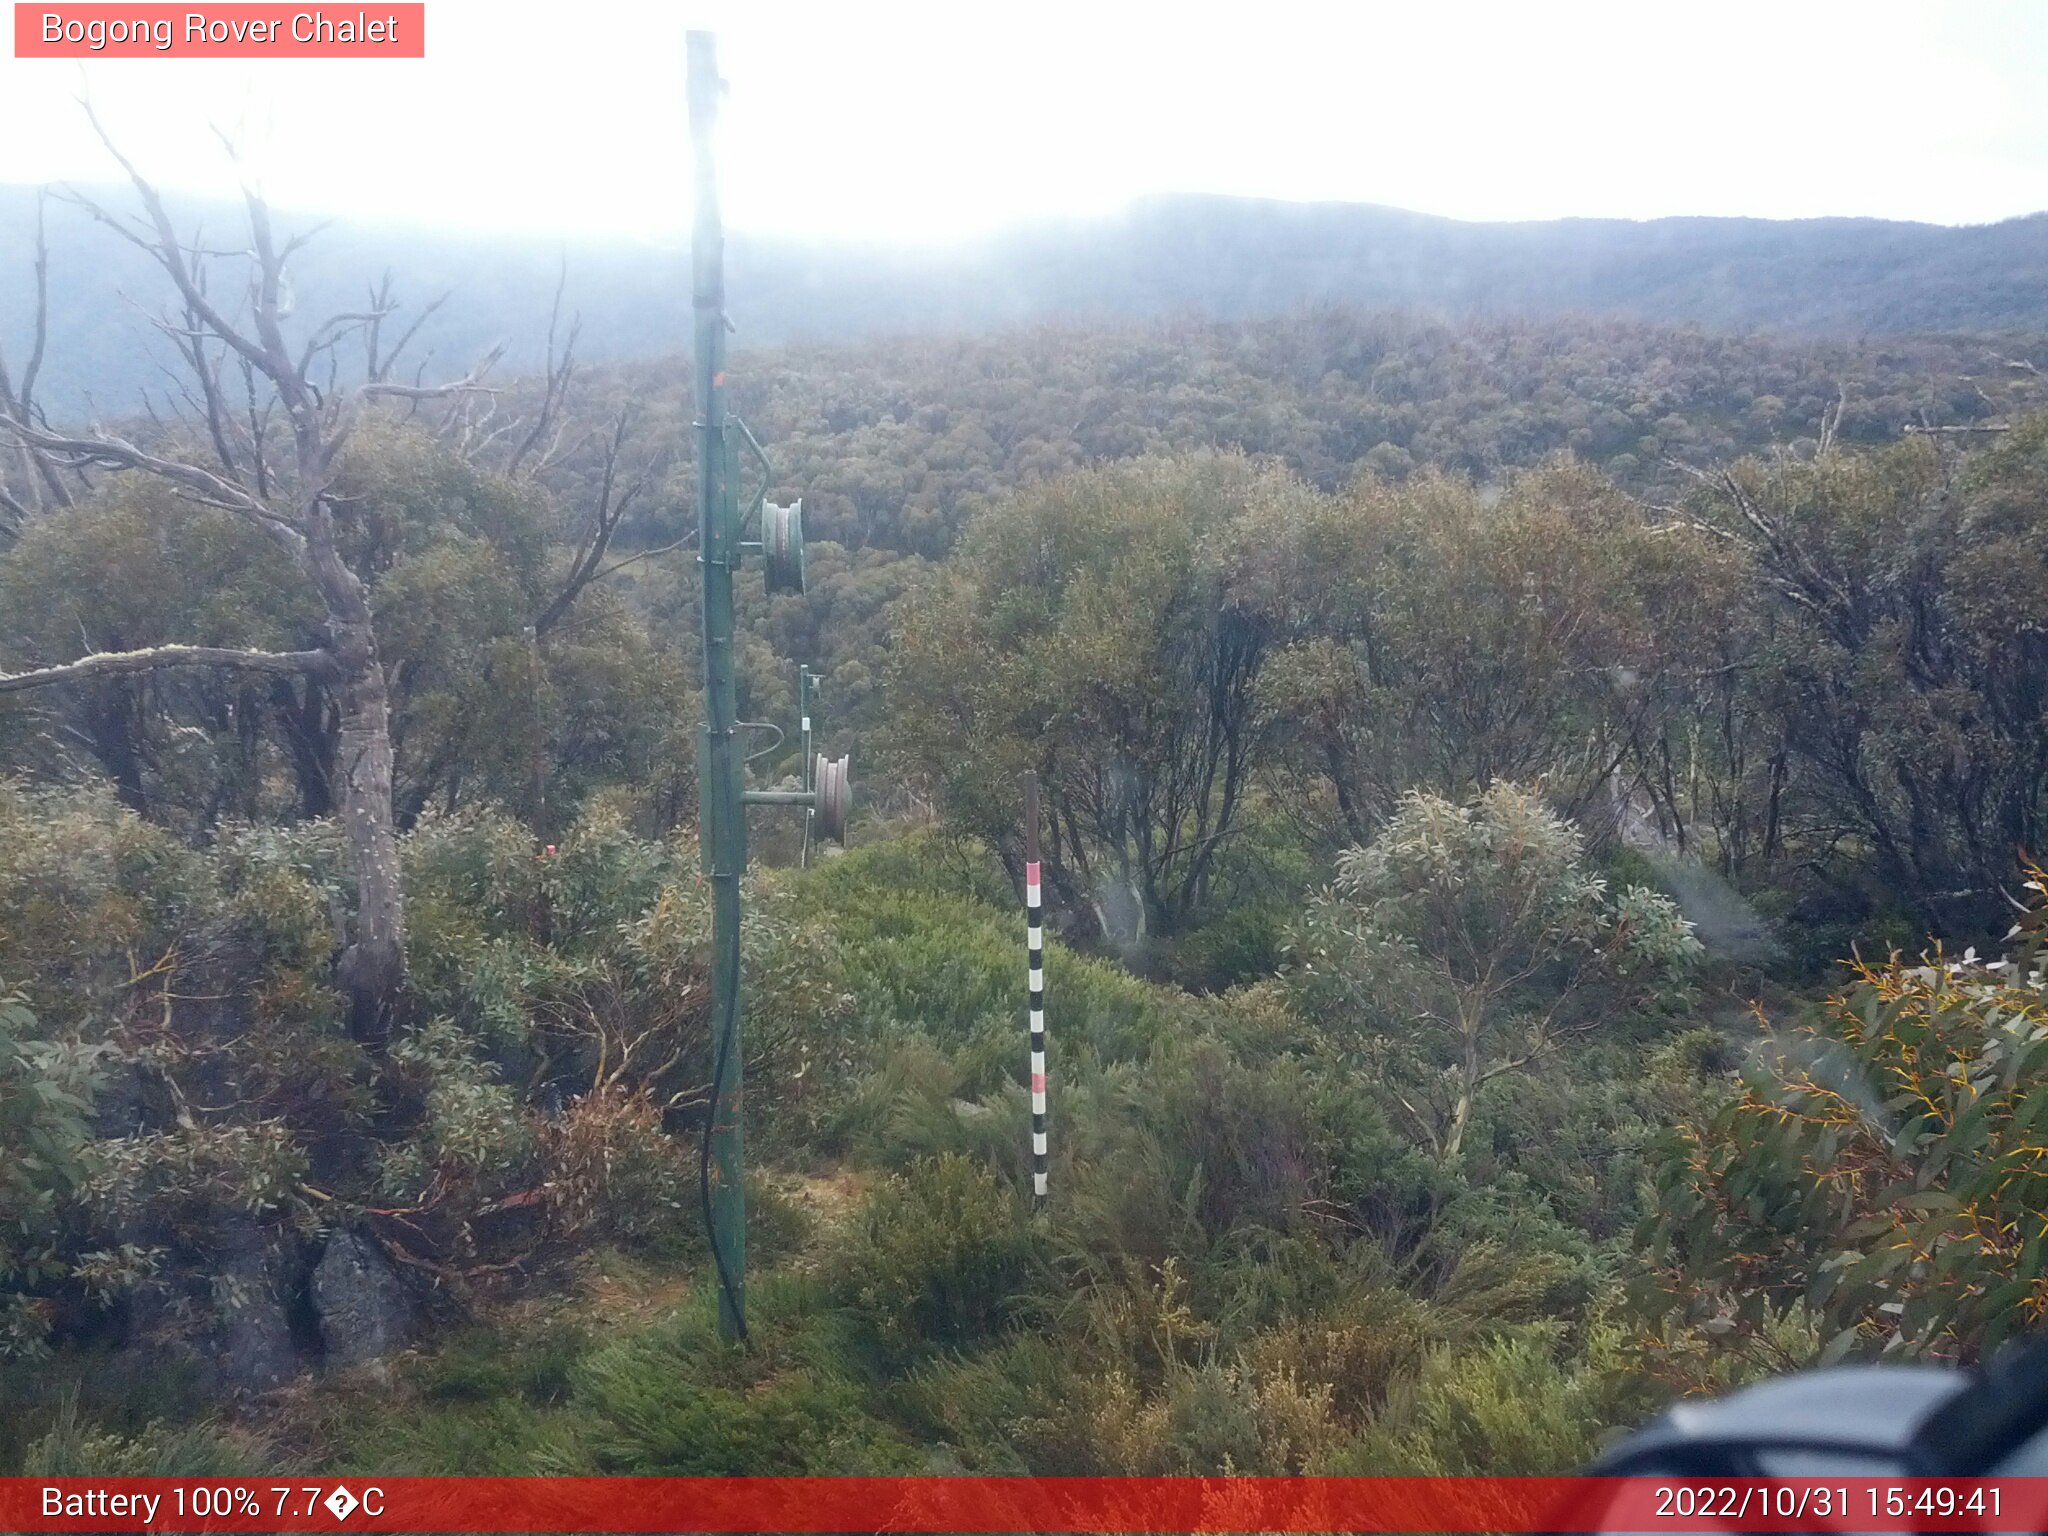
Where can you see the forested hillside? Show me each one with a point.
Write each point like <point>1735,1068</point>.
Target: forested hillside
<point>1473,751</point>
<point>894,445</point>
<point>1207,258</point>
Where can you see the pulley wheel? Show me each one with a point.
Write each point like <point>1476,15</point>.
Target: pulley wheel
<point>835,794</point>
<point>782,547</point>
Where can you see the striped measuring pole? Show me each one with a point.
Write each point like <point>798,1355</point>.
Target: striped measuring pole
<point>1034,942</point>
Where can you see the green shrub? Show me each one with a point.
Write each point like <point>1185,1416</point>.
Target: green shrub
<point>473,1125</point>
<point>1000,1408</point>
<point>536,1364</point>
<point>1193,1130</point>
<point>800,1423</point>
<point>926,862</point>
<point>1239,945</point>
<point>939,1254</point>
<point>677,1400</point>
<point>476,868</point>
<point>74,1447</point>
<point>602,876</point>
<point>184,1183</point>
<point>45,1096</point>
<point>280,890</point>
<point>949,965</point>
<point>498,1437</point>
<point>1509,1408</point>
<point>1361,1348</point>
<point>90,896</point>
<point>1879,1169</point>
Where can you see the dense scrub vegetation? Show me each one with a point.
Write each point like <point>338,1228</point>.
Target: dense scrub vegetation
<point>892,442</point>
<point>1247,1259</point>
<point>1423,828</point>
<point>1251,1260</point>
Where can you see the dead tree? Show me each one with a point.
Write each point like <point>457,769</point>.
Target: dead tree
<point>275,455</point>
<point>42,483</point>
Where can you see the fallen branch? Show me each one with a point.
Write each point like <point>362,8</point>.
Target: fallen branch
<point>159,658</point>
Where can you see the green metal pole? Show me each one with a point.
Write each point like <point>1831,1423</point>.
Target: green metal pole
<point>723,822</point>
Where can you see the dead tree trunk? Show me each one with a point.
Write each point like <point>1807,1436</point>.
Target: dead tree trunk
<point>372,968</point>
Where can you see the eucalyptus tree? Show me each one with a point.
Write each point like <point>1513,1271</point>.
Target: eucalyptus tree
<point>1900,651</point>
<point>1429,636</point>
<point>1090,629</point>
<point>1468,941</point>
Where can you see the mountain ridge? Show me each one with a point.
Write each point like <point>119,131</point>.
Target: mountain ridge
<point>1182,254</point>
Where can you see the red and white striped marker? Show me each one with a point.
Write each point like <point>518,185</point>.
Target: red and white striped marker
<point>1034,942</point>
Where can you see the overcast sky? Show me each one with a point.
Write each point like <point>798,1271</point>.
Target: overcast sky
<point>920,121</point>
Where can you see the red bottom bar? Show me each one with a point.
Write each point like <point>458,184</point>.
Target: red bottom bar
<point>1006,1504</point>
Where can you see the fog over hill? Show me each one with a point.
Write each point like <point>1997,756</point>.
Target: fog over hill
<point>1213,257</point>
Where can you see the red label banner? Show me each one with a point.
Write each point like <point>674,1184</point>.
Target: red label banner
<point>996,1504</point>
<point>235,31</point>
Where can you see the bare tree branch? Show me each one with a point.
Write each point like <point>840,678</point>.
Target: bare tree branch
<point>21,402</point>
<point>201,484</point>
<point>169,253</point>
<point>380,366</point>
<point>610,511</point>
<point>159,658</point>
<point>333,330</point>
<point>291,503</point>
<point>17,514</point>
<point>259,428</point>
<point>647,554</point>
<point>42,330</point>
<point>470,384</point>
<point>556,384</point>
<point>191,345</point>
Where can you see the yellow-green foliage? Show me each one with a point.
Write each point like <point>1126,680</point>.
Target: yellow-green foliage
<point>195,1178</point>
<point>91,897</point>
<point>74,1447</point>
<point>933,949</point>
<point>1511,1407</point>
<point>678,1401</point>
<point>1879,1175</point>
<point>45,1093</point>
<point>941,1253</point>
